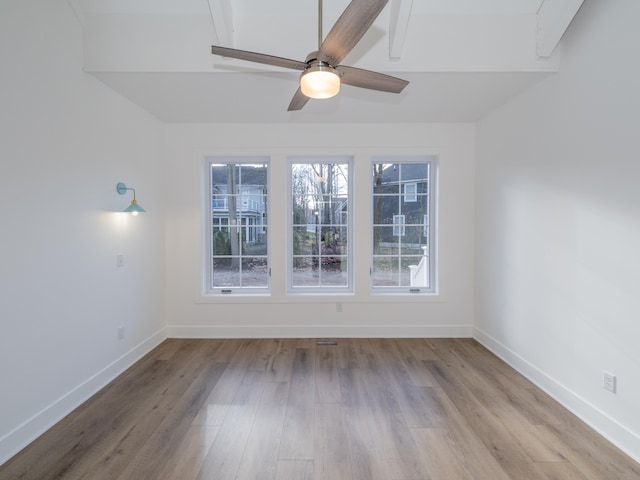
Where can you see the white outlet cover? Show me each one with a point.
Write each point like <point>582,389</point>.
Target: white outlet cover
<point>609,381</point>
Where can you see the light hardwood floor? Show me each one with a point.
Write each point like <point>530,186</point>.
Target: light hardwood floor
<point>289,409</point>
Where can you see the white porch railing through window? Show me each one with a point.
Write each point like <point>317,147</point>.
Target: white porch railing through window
<point>419,273</point>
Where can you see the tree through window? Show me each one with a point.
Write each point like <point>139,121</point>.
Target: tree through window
<point>319,231</point>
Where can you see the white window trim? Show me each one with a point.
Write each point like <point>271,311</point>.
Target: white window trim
<point>398,225</point>
<point>410,195</point>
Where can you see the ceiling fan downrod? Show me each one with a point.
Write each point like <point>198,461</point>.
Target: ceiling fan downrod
<point>319,24</point>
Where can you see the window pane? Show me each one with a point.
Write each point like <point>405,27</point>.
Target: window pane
<point>254,272</point>
<point>319,223</point>
<point>388,272</point>
<point>331,272</point>
<point>304,241</point>
<point>254,174</point>
<point>385,206</point>
<point>385,242</point>
<point>320,272</point>
<point>301,277</point>
<point>381,176</point>
<point>219,174</point>
<point>239,257</point>
<point>413,240</point>
<point>224,272</point>
<point>410,172</point>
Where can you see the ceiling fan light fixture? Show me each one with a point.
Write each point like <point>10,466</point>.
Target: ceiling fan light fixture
<point>320,81</point>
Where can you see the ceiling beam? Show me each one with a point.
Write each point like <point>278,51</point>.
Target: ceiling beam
<point>222,17</point>
<point>554,17</point>
<point>77,11</point>
<point>398,23</point>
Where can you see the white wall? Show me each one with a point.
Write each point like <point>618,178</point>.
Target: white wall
<point>65,141</point>
<point>448,314</point>
<point>558,224</point>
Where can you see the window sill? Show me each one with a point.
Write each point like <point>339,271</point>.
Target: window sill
<point>346,298</point>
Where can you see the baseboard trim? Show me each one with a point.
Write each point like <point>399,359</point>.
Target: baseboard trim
<point>321,331</point>
<point>619,435</point>
<point>24,434</point>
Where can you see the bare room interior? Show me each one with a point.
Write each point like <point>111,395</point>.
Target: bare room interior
<point>467,308</point>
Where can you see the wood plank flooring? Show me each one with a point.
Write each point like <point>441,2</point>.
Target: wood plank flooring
<point>289,409</point>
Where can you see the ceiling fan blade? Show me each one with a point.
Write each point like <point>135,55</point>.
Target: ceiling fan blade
<point>358,77</point>
<point>298,101</point>
<point>349,29</point>
<point>258,57</point>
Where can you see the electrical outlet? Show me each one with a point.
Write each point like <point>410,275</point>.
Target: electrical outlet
<point>120,333</point>
<point>120,260</point>
<point>339,307</point>
<point>609,381</point>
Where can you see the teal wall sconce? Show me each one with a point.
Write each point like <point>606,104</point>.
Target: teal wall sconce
<point>134,208</point>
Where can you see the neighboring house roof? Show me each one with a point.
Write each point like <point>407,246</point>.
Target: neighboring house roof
<point>410,172</point>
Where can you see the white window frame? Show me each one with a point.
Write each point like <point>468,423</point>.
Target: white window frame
<point>410,192</point>
<point>428,229</point>
<point>207,261</point>
<point>326,289</point>
<point>398,225</point>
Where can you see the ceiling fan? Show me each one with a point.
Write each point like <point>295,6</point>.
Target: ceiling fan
<point>322,73</point>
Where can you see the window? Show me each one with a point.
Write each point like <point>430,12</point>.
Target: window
<point>315,212</point>
<point>398,225</point>
<point>411,192</point>
<point>237,256</point>
<point>319,232</point>
<point>402,225</point>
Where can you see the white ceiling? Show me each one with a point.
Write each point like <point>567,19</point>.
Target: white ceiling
<point>462,58</point>
<point>240,97</point>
